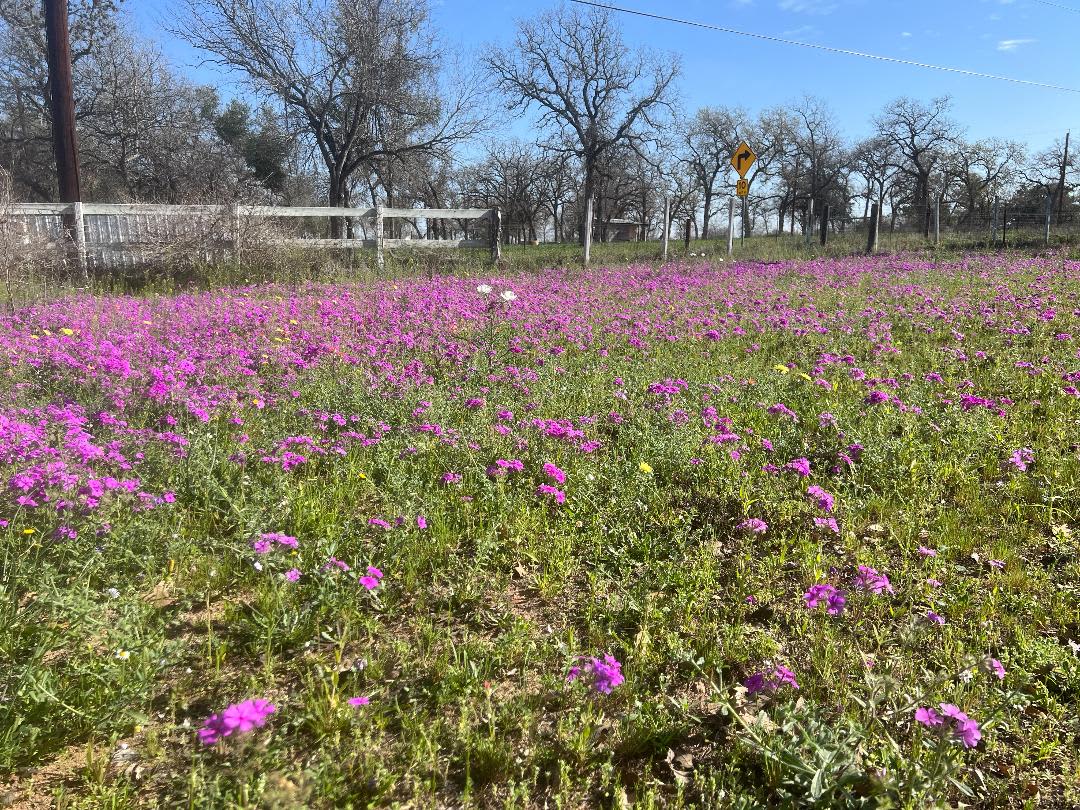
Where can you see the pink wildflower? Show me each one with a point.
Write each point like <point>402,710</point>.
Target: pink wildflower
<point>554,473</point>
<point>547,489</point>
<point>239,718</point>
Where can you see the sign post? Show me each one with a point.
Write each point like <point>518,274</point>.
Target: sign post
<point>741,162</point>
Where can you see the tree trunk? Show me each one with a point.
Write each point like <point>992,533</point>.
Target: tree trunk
<point>706,214</point>
<point>336,195</point>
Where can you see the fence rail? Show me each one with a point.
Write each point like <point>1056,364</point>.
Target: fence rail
<point>111,235</point>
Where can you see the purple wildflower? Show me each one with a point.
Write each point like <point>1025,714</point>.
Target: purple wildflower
<point>822,499</point>
<point>828,524</point>
<point>239,718</point>
<point>547,489</point>
<point>1020,459</point>
<point>771,680</point>
<point>554,473</point>
<point>800,466</point>
<point>928,717</point>
<point>606,673</point>
<point>869,579</point>
<point>754,526</point>
<point>832,598</point>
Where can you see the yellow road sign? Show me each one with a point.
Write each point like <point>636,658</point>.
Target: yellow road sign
<point>742,188</point>
<point>743,159</point>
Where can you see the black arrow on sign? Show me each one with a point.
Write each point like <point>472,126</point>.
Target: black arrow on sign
<point>739,158</point>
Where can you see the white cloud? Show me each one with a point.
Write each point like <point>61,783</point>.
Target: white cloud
<point>808,6</point>
<point>803,32</point>
<point>905,34</point>
<point>1007,45</point>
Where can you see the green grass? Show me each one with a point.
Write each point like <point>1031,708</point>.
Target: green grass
<point>465,647</point>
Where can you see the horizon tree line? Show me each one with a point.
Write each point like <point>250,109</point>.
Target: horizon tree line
<point>357,102</point>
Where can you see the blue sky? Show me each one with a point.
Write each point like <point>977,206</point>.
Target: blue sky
<point>1019,38</point>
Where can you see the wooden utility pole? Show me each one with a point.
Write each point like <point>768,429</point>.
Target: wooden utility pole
<point>1061,179</point>
<point>62,100</point>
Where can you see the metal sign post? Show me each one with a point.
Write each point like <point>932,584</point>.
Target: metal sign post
<point>741,162</point>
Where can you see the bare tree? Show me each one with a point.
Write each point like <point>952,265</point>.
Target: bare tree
<point>923,135</point>
<point>512,176</point>
<point>1046,169</point>
<point>982,170</point>
<point>591,89</point>
<point>875,160</point>
<point>772,135</point>
<point>819,150</point>
<point>360,76</point>
<point>708,141</point>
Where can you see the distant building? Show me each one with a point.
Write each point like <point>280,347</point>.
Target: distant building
<point>617,230</point>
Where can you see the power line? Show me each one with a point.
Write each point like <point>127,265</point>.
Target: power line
<point>1057,5</point>
<point>844,51</point>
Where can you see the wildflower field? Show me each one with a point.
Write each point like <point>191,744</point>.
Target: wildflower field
<point>796,534</point>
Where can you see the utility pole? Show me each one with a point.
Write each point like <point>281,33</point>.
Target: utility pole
<point>62,99</point>
<point>1061,179</point>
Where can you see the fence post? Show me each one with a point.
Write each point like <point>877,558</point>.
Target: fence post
<point>808,226</point>
<point>1049,208</point>
<point>235,222</point>
<point>993,223</point>
<point>379,261</point>
<point>496,234</point>
<point>667,224</point>
<point>730,224</point>
<point>824,224</point>
<point>872,231</point>
<point>78,234</point>
<point>937,219</point>
<point>588,230</point>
